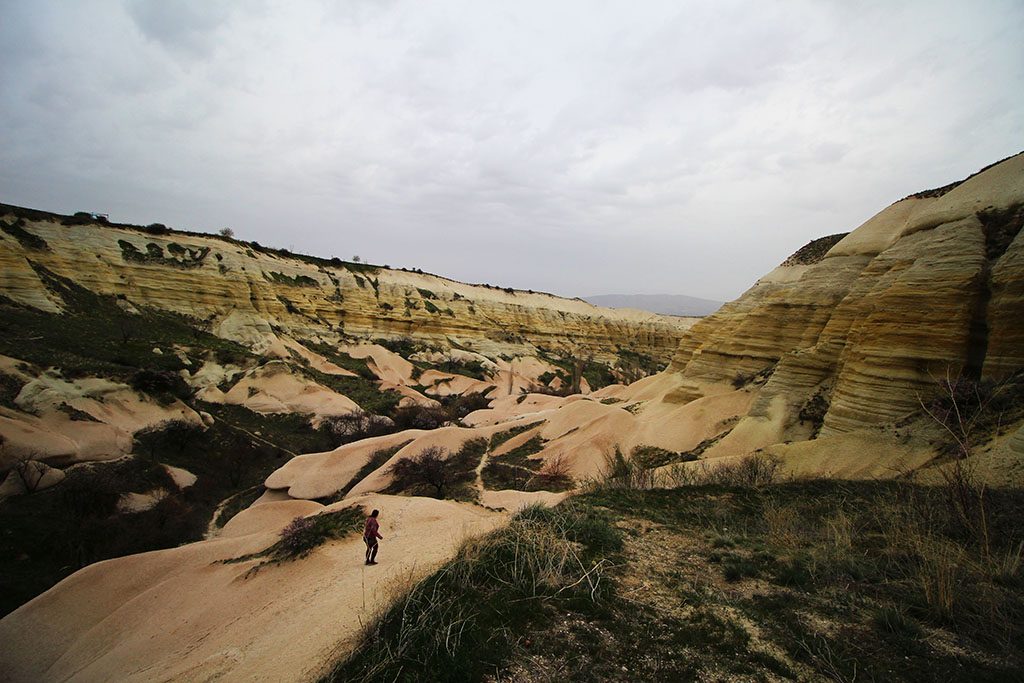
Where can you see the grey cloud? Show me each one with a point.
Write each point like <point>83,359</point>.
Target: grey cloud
<point>184,26</point>
<point>575,147</point>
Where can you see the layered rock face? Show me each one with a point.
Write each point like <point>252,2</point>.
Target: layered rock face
<point>934,284</point>
<point>244,292</point>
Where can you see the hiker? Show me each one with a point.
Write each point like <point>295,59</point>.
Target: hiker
<point>370,536</point>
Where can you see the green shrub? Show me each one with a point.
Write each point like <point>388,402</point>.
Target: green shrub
<point>546,377</point>
<point>237,503</point>
<point>292,280</point>
<point>894,621</point>
<point>653,456</point>
<point>365,392</point>
<point>515,469</point>
<point>468,368</point>
<point>459,406</point>
<point>736,568</point>
<point>163,385</point>
<point>10,387</point>
<point>793,572</point>
<point>499,438</point>
<point>403,346</point>
<point>304,534</point>
<point>419,417</point>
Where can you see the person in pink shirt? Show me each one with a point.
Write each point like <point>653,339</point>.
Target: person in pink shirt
<point>370,536</point>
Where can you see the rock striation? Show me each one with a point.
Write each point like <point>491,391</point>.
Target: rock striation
<point>249,293</point>
<point>934,284</point>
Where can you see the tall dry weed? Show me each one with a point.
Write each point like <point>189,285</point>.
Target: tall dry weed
<point>619,472</point>
<point>839,529</point>
<point>781,524</point>
<point>1005,567</point>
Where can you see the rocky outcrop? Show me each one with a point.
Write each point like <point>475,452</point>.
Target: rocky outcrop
<point>932,284</point>
<point>247,293</point>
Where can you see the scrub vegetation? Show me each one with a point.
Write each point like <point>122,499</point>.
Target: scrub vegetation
<point>808,580</point>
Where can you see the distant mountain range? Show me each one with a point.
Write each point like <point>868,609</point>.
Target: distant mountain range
<point>668,304</point>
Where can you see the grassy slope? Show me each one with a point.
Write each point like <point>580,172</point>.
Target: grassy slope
<point>808,581</point>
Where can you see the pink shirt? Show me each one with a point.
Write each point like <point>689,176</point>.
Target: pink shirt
<point>370,530</point>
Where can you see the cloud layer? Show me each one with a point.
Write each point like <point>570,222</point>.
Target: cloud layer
<point>574,147</point>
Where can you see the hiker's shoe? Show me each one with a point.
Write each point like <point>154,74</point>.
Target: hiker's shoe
<point>371,562</point>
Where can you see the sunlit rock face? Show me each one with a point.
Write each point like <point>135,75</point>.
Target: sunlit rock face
<point>247,293</point>
<point>868,323</point>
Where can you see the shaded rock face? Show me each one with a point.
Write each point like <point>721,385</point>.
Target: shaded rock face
<point>932,284</point>
<point>246,293</point>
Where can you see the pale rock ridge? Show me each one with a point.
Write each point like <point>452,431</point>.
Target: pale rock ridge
<point>251,295</point>
<point>918,289</point>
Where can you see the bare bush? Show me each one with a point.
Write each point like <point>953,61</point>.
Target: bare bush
<point>420,417</point>
<point>460,406</point>
<point>173,435</point>
<point>295,538</point>
<point>164,385</point>
<point>964,408</point>
<point>752,471</point>
<point>30,471</point>
<point>356,425</point>
<point>429,468</point>
<point>622,473</point>
<point>684,474</point>
<point>553,476</point>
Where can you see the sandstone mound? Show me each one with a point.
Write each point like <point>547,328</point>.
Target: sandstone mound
<point>181,614</point>
<point>72,420</point>
<point>854,340</point>
<point>274,388</point>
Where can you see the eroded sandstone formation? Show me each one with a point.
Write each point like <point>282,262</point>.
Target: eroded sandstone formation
<point>247,293</point>
<point>931,285</point>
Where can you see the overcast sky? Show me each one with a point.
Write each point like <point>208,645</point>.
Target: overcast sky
<point>574,147</point>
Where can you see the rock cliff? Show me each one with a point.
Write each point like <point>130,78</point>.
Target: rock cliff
<point>247,293</point>
<point>861,326</point>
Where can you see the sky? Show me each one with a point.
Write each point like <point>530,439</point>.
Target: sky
<point>575,147</point>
